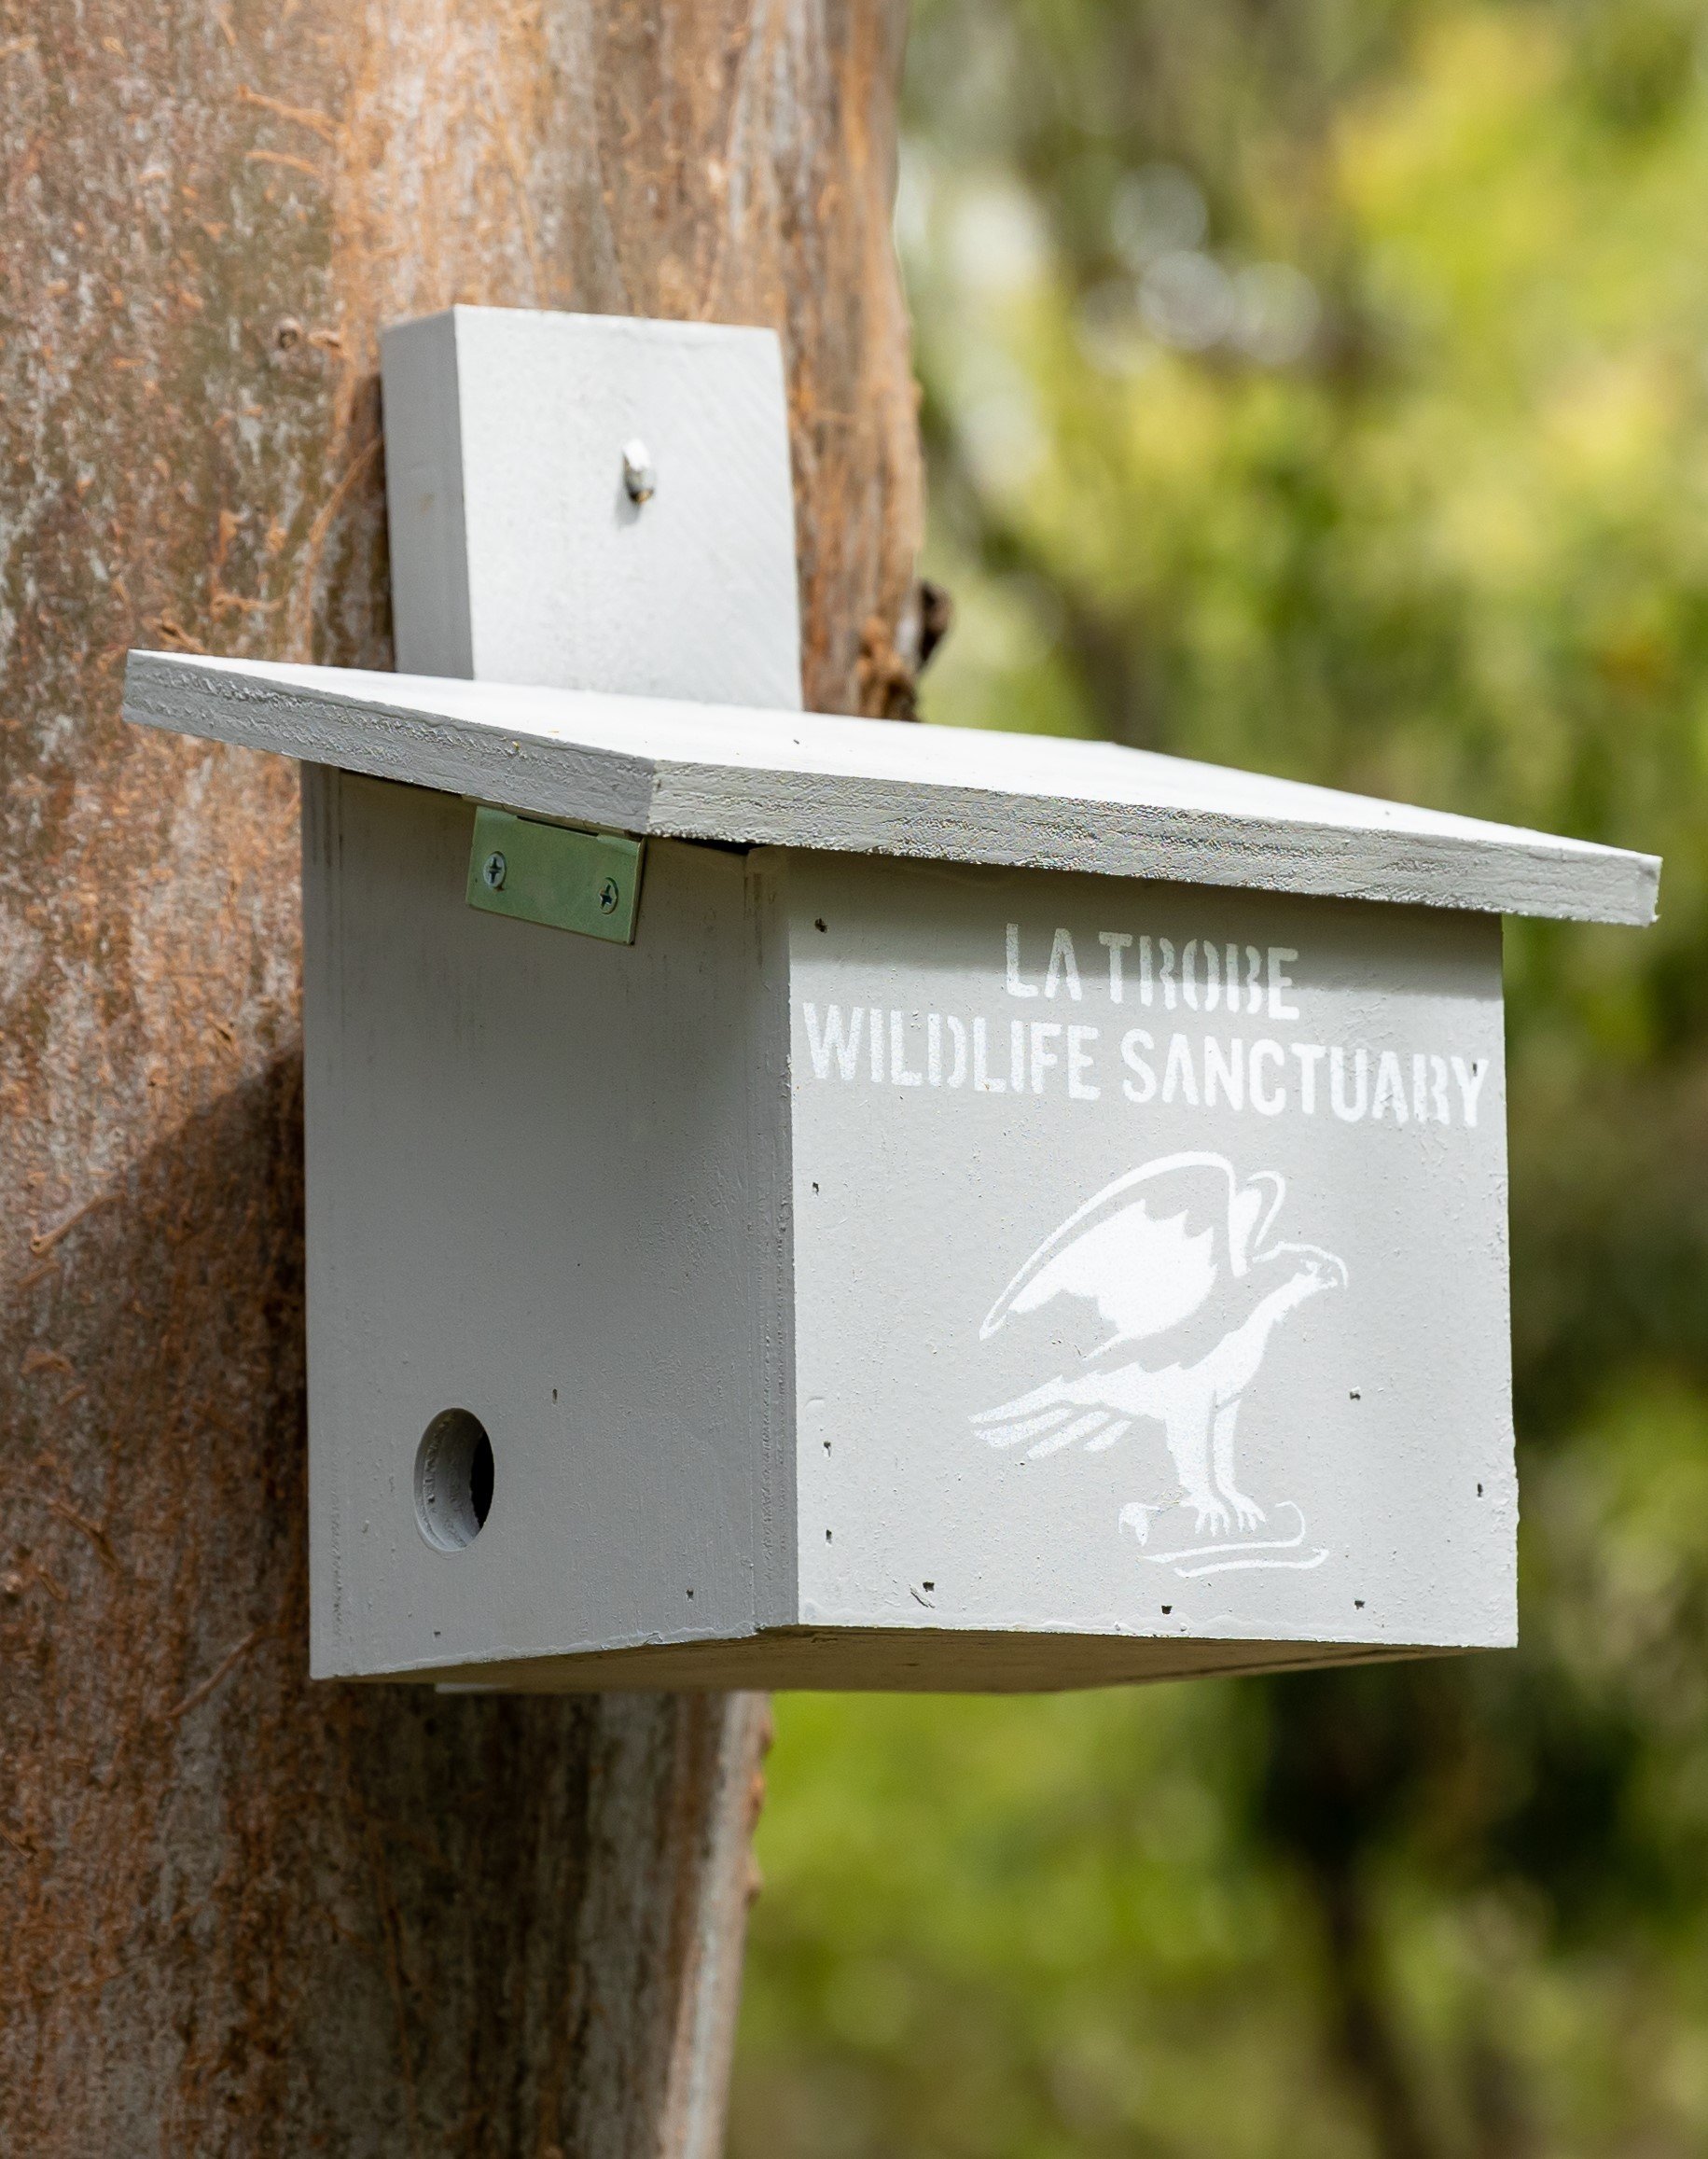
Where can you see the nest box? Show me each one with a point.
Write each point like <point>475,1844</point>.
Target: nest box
<point>799,1201</point>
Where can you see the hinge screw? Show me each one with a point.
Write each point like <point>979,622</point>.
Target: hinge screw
<point>608,897</point>
<point>492,871</point>
<point>639,478</point>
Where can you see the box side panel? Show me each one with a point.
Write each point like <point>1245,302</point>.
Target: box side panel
<point>426,529</point>
<point>531,1198</point>
<point>1151,1260</point>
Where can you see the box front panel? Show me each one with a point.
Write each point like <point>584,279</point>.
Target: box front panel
<point>1150,1260</point>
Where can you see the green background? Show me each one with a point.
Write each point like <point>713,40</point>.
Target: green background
<point>1323,388</point>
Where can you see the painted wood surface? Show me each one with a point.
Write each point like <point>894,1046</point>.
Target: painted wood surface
<point>517,552</point>
<point>815,781</point>
<point>889,1274</point>
<point>240,1913</point>
<point>548,1185</point>
<point>1149,1264</point>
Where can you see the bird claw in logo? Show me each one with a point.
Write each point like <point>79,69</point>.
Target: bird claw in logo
<point>1244,1553</point>
<point>1163,1253</point>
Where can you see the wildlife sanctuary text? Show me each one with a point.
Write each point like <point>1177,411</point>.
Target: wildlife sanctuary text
<point>892,1046</point>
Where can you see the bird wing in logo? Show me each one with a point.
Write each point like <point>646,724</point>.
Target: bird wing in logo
<point>1046,1418</point>
<point>1143,1249</point>
<point>1145,1252</point>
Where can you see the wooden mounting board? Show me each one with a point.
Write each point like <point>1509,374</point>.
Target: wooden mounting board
<point>767,778</point>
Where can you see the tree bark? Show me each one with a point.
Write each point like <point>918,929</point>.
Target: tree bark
<point>240,1913</point>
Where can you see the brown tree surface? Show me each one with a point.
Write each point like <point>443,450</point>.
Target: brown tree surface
<point>240,1913</point>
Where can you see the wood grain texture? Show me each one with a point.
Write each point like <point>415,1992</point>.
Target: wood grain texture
<point>237,1914</point>
<point>722,773</point>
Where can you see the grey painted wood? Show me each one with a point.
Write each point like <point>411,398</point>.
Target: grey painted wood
<point>728,773</point>
<point>517,554</point>
<point>546,1184</point>
<point>725,1284</point>
<point>427,534</point>
<point>1149,1263</point>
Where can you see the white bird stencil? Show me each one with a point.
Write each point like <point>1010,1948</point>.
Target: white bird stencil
<point>1171,1255</point>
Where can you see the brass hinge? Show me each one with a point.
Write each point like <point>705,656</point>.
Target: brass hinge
<point>587,881</point>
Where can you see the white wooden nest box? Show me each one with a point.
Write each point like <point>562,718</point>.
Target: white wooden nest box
<point>801,1202</point>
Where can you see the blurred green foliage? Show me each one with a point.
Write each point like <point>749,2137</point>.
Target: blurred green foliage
<point>1324,387</point>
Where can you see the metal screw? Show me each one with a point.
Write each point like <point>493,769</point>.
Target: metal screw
<point>639,478</point>
<point>608,897</point>
<point>494,871</point>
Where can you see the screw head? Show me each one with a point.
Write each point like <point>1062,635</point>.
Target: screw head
<point>608,897</point>
<point>494,871</point>
<point>639,479</point>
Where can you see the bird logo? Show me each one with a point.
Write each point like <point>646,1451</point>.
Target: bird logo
<point>1175,1257</point>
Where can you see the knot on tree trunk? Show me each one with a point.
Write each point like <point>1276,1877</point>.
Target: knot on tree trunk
<point>889,668</point>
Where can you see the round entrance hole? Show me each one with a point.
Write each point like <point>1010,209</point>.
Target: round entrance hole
<point>453,1480</point>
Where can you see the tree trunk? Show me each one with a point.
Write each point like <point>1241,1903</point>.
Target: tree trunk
<point>240,1913</point>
